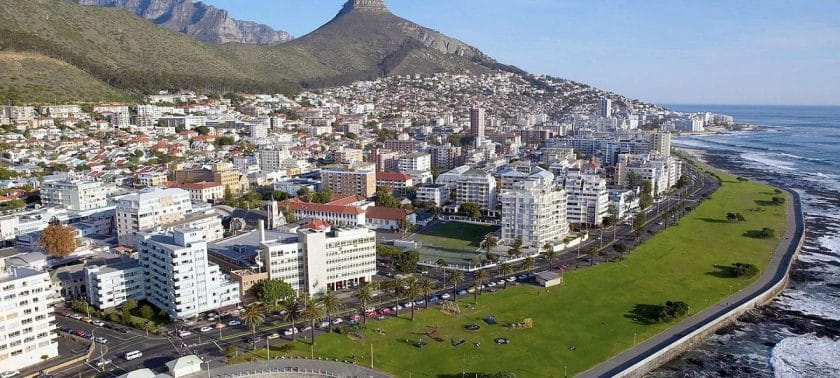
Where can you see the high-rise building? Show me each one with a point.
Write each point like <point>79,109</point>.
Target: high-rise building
<point>27,329</point>
<point>477,124</point>
<point>258,131</point>
<point>478,187</point>
<point>534,211</point>
<point>358,180</point>
<point>109,286</point>
<point>588,198</point>
<point>605,107</point>
<point>148,209</point>
<point>180,279</point>
<point>74,195</point>
<point>661,142</point>
<point>415,161</point>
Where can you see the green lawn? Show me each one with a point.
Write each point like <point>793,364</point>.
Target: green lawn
<point>593,311</point>
<point>455,242</point>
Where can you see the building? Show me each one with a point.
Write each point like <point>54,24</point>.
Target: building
<point>27,324</point>
<point>477,122</point>
<point>689,125</point>
<point>222,172</point>
<point>478,187</point>
<point>415,161</point>
<point>587,198</point>
<point>451,177</point>
<point>210,192</point>
<point>661,142</point>
<point>605,107</point>
<point>437,194</point>
<point>271,158</point>
<point>398,182</point>
<point>109,286</point>
<point>180,279</point>
<point>534,211</point>
<point>384,218</point>
<point>348,156</point>
<point>321,257</point>
<point>258,131</point>
<point>146,210</point>
<point>151,179</point>
<point>403,146</point>
<point>74,195</point>
<point>342,210</point>
<point>446,156</point>
<point>359,181</point>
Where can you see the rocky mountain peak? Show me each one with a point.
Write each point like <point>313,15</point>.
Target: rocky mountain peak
<point>363,6</point>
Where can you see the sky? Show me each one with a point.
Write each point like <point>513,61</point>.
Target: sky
<point>769,52</point>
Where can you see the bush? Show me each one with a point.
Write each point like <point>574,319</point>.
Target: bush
<point>745,270</point>
<point>778,200</point>
<point>767,233</point>
<point>671,311</point>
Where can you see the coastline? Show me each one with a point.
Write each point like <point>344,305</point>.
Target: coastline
<point>667,345</point>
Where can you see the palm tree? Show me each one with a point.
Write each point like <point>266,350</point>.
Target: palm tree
<point>331,305</point>
<point>425,287</point>
<point>294,308</point>
<point>504,270</point>
<point>364,295</point>
<point>515,248</point>
<point>411,294</point>
<point>478,279</point>
<point>254,316</point>
<point>489,242</point>
<point>550,255</point>
<point>396,286</point>
<point>312,310</point>
<point>456,277</point>
<point>528,264</point>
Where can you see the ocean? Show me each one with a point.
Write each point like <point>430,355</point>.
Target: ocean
<point>798,335</point>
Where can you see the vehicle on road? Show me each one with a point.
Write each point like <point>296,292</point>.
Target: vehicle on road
<point>184,333</point>
<point>98,323</point>
<point>273,336</point>
<point>133,355</point>
<point>305,328</point>
<point>100,340</point>
<point>206,329</point>
<point>9,374</point>
<point>290,331</point>
<point>337,321</point>
<point>76,316</point>
<point>462,292</point>
<point>324,325</point>
<point>446,296</point>
<point>434,299</point>
<point>102,363</point>
<point>234,323</point>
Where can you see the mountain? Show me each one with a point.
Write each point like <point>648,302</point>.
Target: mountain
<point>198,20</point>
<point>364,41</point>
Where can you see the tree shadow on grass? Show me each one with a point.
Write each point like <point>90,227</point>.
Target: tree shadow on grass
<point>764,203</point>
<point>713,220</point>
<point>644,314</point>
<point>723,271</point>
<point>755,234</point>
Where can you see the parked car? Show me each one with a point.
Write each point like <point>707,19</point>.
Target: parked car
<point>491,284</point>
<point>305,328</point>
<point>234,322</point>
<point>273,336</point>
<point>386,310</point>
<point>511,279</point>
<point>324,325</point>
<point>290,331</point>
<point>407,304</point>
<point>206,329</point>
<point>87,319</point>
<point>76,316</point>
<point>337,321</point>
<point>434,299</point>
<point>102,363</point>
<point>100,340</point>
<point>500,282</point>
<point>98,323</point>
<point>79,333</point>
<point>184,333</point>
<point>446,296</point>
<point>462,292</point>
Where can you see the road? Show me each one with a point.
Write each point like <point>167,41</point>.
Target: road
<point>775,272</point>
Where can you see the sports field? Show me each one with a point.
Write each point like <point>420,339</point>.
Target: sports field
<point>455,242</point>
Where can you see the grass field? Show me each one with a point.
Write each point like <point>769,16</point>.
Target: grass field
<point>455,242</point>
<point>597,311</point>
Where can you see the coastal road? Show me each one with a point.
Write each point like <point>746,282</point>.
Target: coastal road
<point>775,272</point>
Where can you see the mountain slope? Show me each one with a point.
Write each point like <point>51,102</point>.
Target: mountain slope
<point>364,41</point>
<point>28,78</point>
<point>198,20</point>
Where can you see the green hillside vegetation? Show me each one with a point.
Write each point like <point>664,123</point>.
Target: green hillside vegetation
<point>131,53</point>
<point>30,78</point>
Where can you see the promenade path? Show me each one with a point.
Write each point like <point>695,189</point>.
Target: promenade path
<point>775,272</point>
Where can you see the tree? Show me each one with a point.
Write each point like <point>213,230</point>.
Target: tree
<point>516,248</point>
<point>406,262</point>
<point>767,233</point>
<point>228,198</point>
<point>505,270</point>
<point>305,193</point>
<point>146,311</point>
<point>293,307</point>
<point>488,243</point>
<point>745,270</point>
<point>528,263</point>
<point>231,351</point>
<point>385,199</point>
<point>322,196</point>
<point>330,304</point>
<point>778,200</point>
<point>646,198</point>
<point>639,224</point>
<point>471,210</point>
<point>202,130</point>
<point>272,291</point>
<point>58,240</point>
<point>478,279</point>
<point>411,293</point>
<point>129,305</point>
<point>312,311</point>
<point>550,254</point>
<point>620,248</point>
<point>456,277</point>
<point>425,287</point>
<point>364,295</point>
<point>671,311</point>
<point>254,316</point>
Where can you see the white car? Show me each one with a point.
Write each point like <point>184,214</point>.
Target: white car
<point>290,331</point>
<point>206,329</point>
<point>101,340</point>
<point>234,323</point>
<point>184,333</point>
<point>76,316</point>
<point>273,336</point>
<point>491,284</point>
<point>500,282</point>
<point>511,279</point>
<point>9,374</point>
<point>337,321</point>
<point>324,325</point>
<point>446,296</point>
<point>408,304</point>
<point>305,328</point>
<point>98,323</point>
<point>102,363</point>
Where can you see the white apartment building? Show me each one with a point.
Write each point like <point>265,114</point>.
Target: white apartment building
<point>271,158</point>
<point>109,286</point>
<point>587,198</point>
<point>534,211</point>
<point>319,257</point>
<point>146,210</point>
<point>478,187</point>
<point>416,161</point>
<point>74,195</point>
<point>27,328</point>
<point>258,131</point>
<point>208,192</point>
<point>152,179</point>
<point>180,280</point>
<point>450,178</point>
<point>690,125</point>
<point>433,193</point>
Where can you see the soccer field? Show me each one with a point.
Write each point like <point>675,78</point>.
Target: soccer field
<point>455,242</point>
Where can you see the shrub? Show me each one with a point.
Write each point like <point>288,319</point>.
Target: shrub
<point>745,270</point>
<point>671,311</point>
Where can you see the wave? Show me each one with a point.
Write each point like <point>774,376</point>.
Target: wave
<point>768,161</point>
<point>806,356</point>
<point>825,307</point>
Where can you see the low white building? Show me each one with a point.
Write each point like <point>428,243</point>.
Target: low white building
<point>74,195</point>
<point>204,191</point>
<point>433,193</point>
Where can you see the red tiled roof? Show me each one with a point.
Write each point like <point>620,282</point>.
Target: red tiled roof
<point>392,176</point>
<point>296,204</point>
<point>386,213</point>
<point>317,225</point>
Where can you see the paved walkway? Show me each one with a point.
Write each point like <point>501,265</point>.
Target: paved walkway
<point>776,271</point>
<point>291,368</point>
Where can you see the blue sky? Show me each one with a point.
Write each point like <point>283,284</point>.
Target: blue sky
<point>700,52</point>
